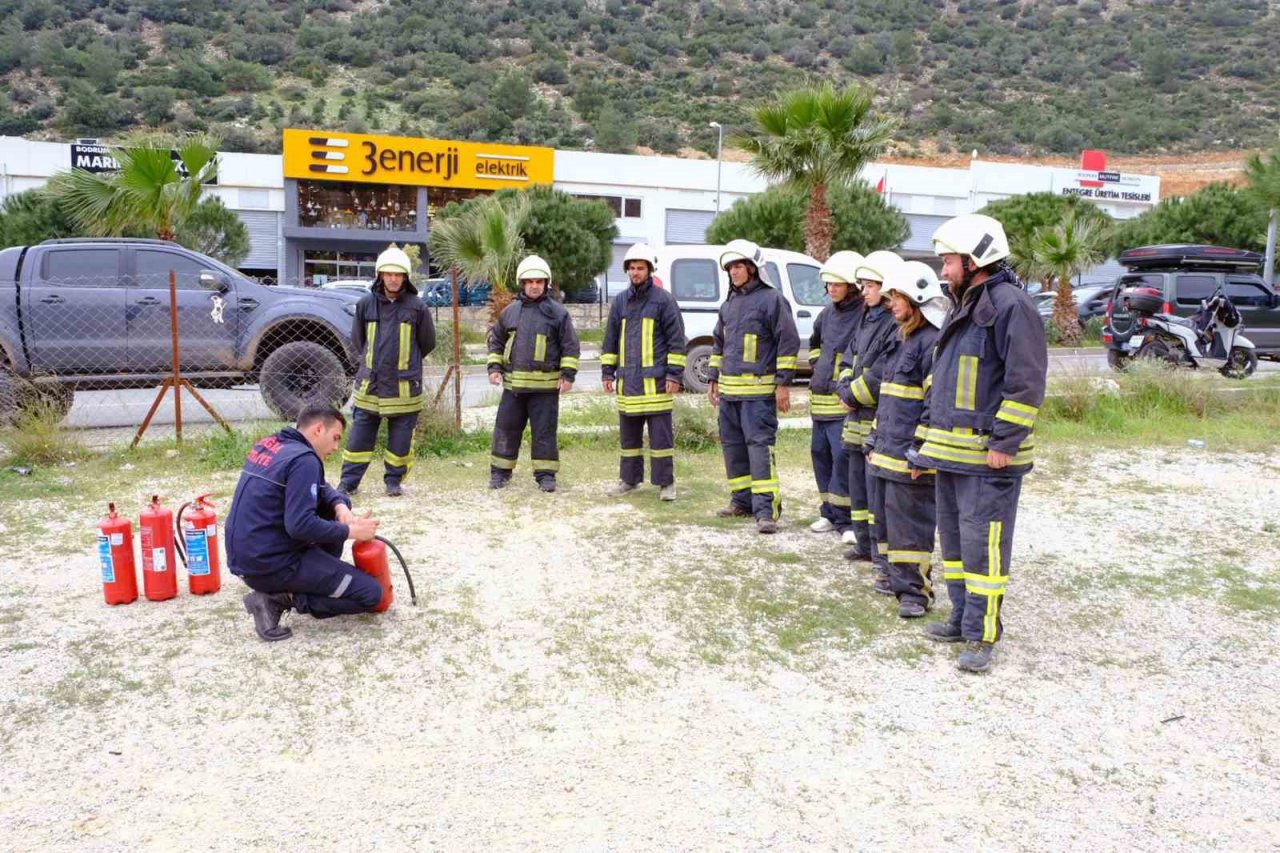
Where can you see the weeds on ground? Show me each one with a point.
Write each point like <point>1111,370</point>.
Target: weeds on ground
<point>438,434</point>
<point>37,437</point>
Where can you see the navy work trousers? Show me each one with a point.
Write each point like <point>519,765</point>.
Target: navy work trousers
<point>748,431</point>
<point>831,470</point>
<point>976,516</point>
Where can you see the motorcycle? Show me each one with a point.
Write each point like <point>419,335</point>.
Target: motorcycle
<point>1213,338</point>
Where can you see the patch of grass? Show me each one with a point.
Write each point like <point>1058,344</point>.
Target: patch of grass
<point>38,437</point>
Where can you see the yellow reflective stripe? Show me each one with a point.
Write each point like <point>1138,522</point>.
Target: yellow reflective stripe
<point>388,405</point>
<point>953,570</point>
<point>609,359</point>
<point>631,452</point>
<point>622,344</point>
<point>967,383</point>
<point>406,337</point>
<point>545,464</point>
<point>716,360</point>
<point>370,336</point>
<point>499,462</point>
<point>889,463</point>
<point>905,392</point>
<point>495,358</point>
<point>650,386</point>
<point>662,454</point>
<point>738,483</point>
<point>539,347</point>
<point>861,392</point>
<point>395,459</point>
<point>928,382</point>
<point>825,404</point>
<point>958,437</point>
<point>786,362</point>
<point>749,347</point>
<point>506,351</point>
<point>744,380</point>
<point>815,353</point>
<point>530,384</point>
<point>1017,413</point>
<point>882,548</point>
<point>838,500</point>
<point>646,342</point>
<point>860,515</point>
<point>847,373</point>
<point>534,374</point>
<point>649,404</point>
<point>993,585</point>
<point>909,556</point>
<point>677,359</point>
<point>986,585</point>
<point>357,456</point>
<point>568,362</point>
<point>764,487</point>
<point>969,457</point>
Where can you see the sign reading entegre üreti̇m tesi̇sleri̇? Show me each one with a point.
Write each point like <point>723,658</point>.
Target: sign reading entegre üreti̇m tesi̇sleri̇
<point>332,156</point>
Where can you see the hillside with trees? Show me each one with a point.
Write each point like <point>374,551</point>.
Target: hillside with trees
<point>1013,77</point>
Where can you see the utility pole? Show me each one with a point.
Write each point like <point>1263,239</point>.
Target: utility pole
<point>719,154</point>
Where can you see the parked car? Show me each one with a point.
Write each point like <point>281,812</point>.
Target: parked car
<point>1090,299</point>
<point>438,292</point>
<point>1185,275</point>
<point>693,274</point>
<point>95,313</point>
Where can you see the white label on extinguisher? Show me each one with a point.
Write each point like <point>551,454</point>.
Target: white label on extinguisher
<point>211,532</point>
<point>117,539</point>
<point>159,562</point>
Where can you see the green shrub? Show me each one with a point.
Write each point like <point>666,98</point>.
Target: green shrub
<point>37,436</point>
<point>697,428</point>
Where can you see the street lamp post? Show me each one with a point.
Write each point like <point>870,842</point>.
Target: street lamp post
<point>719,152</point>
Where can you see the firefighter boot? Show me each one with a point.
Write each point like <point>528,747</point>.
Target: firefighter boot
<point>622,488</point>
<point>732,511</point>
<point>266,611</point>
<point>498,479</point>
<point>976,657</point>
<point>547,482</point>
<point>910,609</point>
<point>766,525</point>
<point>881,584</point>
<point>394,490</point>
<point>943,632</point>
<point>668,492</point>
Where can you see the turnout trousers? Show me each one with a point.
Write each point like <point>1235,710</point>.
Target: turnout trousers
<point>322,584</point>
<point>859,503</point>
<point>662,461</point>
<point>876,536</point>
<point>831,470</point>
<point>541,412</point>
<point>748,430</point>
<point>397,459</point>
<point>909,517</point>
<point>976,516</point>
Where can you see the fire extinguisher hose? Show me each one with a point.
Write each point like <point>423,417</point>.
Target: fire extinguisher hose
<point>178,544</point>
<point>413,595</point>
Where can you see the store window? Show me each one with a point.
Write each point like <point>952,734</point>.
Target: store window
<point>323,267</point>
<point>370,207</point>
<point>623,208</point>
<point>438,197</point>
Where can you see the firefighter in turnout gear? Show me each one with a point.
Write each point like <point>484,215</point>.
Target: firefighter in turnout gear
<point>978,425</point>
<point>393,333</point>
<point>643,360</point>
<point>753,360</point>
<point>533,355</point>
<point>873,337</point>
<point>905,497</point>
<point>832,332</point>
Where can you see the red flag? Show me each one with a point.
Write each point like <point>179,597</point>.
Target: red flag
<point>880,186</point>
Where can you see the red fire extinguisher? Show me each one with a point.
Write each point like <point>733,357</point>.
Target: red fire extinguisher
<point>371,558</point>
<point>115,554</point>
<point>159,569</point>
<point>197,545</point>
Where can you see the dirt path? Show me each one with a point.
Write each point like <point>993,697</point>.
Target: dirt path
<point>574,680</point>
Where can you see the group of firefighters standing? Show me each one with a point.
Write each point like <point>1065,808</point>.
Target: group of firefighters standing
<point>923,399</point>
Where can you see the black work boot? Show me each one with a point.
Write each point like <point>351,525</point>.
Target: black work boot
<point>911,609</point>
<point>347,490</point>
<point>266,611</point>
<point>882,585</point>
<point>976,656</point>
<point>498,479</point>
<point>857,555</point>
<point>943,632</point>
<point>766,525</point>
<point>733,511</point>
<point>394,490</point>
<point>547,482</point>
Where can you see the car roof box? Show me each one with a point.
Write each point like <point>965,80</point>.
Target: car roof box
<point>1189,255</point>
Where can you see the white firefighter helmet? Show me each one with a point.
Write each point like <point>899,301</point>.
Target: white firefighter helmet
<point>919,285</point>
<point>533,267</point>
<point>877,265</point>
<point>973,235</point>
<point>842,267</point>
<point>641,252</point>
<point>393,259</point>
<point>741,250</point>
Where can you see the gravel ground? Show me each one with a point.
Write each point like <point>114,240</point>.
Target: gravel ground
<point>591,674</point>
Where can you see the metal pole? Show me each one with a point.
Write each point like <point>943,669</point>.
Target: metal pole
<point>457,353</point>
<point>1268,272</point>
<point>719,155</point>
<point>177,370</point>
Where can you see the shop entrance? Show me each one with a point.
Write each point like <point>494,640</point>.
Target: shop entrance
<point>321,267</point>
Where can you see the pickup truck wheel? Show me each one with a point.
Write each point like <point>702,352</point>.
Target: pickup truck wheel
<point>18,395</point>
<point>10,397</point>
<point>299,374</point>
<point>697,365</point>
<point>1241,364</point>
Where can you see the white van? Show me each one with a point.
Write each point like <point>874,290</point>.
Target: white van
<point>692,274</point>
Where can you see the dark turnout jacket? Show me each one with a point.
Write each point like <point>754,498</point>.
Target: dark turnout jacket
<point>393,336</point>
<point>832,331</point>
<point>644,346</point>
<point>900,378</point>
<point>987,383</point>
<point>534,344</point>
<point>755,343</point>
<point>273,517</point>
<point>859,385</point>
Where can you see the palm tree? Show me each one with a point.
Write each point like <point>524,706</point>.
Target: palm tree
<point>813,139</point>
<point>152,193</point>
<point>1062,251</point>
<point>1263,183</point>
<point>484,242</point>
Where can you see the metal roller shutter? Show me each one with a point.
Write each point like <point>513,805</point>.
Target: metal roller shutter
<point>688,226</point>
<point>922,227</point>
<point>264,238</point>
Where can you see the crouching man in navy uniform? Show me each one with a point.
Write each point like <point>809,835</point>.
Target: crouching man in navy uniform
<point>287,526</point>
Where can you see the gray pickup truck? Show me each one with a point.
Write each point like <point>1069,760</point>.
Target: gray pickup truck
<point>94,314</point>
